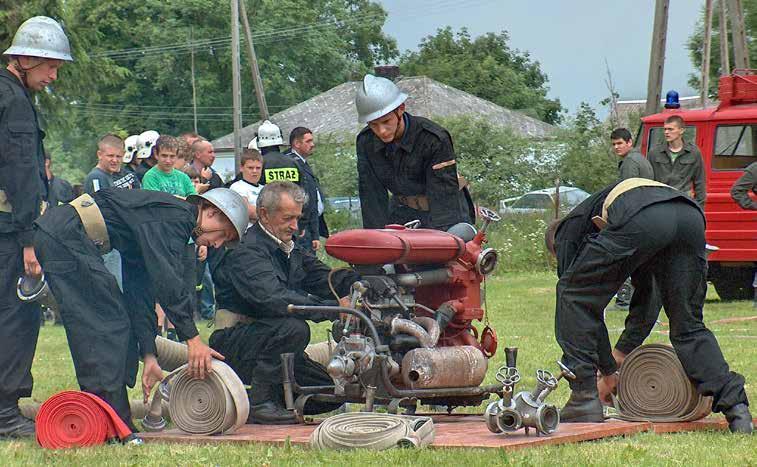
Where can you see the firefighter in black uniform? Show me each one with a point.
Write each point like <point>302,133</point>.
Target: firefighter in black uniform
<point>39,49</point>
<point>653,233</point>
<point>255,283</point>
<point>410,157</point>
<point>277,167</point>
<point>106,329</point>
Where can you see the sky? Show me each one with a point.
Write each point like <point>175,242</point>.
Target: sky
<point>570,38</point>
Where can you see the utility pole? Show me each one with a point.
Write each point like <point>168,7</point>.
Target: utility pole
<point>725,59</point>
<point>657,56</point>
<point>256,80</point>
<point>236,87</point>
<point>194,87</point>
<point>740,49</point>
<point>706,51</point>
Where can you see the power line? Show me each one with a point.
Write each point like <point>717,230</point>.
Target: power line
<point>279,34</point>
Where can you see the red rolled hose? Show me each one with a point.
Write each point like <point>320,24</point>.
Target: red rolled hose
<point>77,419</point>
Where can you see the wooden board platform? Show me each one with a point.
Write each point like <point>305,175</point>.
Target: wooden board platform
<point>452,431</point>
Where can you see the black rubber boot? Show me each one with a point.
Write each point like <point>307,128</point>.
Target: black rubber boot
<point>583,407</point>
<point>739,419</point>
<point>270,413</point>
<point>13,424</point>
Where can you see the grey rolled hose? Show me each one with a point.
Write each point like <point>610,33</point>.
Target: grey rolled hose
<point>375,431</point>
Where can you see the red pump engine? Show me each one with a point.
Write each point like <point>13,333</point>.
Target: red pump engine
<point>430,270</point>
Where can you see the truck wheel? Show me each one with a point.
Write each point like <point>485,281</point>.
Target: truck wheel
<point>733,283</point>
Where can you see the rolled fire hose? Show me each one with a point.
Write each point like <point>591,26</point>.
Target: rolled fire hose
<point>217,404</point>
<point>78,419</point>
<point>170,355</point>
<point>138,408</point>
<point>653,387</point>
<point>373,431</point>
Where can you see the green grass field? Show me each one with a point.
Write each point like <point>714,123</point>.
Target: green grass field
<point>521,308</point>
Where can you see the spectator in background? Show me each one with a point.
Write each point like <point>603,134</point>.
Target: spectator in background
<point>302,147</point>
<point>632,164</point>
<point>678,163</point>
<point>59,191</point>
<point>249,185</point>
<point>190,137</point>
<point>108,171</point>
<point>164,177</point>
<point>203,155</point>
<point>108,174</point>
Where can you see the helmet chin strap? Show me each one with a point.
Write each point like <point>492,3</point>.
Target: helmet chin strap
<point>22,72</point>
<point>197,231</point>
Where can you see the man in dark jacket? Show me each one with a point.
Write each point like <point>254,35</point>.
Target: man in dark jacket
<point>740,193</point>
<point>651,232</point>
<point>678,163</point>
<point>410,157</point>
<point>632,164</point>
<point>39,49</point>
<point>744,185</point>
<point>106,329</point>
<point>257,281</point>
<point>302,146</point>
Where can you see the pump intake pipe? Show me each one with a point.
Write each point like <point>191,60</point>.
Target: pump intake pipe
<point>426,330</point>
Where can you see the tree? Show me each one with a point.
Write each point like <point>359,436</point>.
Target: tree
<point>586,162</point>
<point>695,45</point>
<point>486,67</point>
<point>132,68</point>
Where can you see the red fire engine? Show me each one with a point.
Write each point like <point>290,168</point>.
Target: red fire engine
<point>727,137</point>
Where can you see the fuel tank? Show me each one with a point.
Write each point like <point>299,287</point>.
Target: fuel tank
<point>395,245</point>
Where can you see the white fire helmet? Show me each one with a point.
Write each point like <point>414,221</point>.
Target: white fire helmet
<point>130,148</point>
<point>146,142</point>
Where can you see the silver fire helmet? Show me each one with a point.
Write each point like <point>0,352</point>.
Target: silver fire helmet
<point>376,97</point>
<point>41,37</point>
<point>231,204</point>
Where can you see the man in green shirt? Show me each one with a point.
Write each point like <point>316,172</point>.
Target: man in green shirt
<point>163,177</point>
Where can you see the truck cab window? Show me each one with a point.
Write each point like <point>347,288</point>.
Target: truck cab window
<point>734,147</point>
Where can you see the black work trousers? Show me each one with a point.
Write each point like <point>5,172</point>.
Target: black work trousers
<point>19,326</point>
<point>643,311</point>
<point>664,242</point>
<point>254,352</point>
<point>91,307</point>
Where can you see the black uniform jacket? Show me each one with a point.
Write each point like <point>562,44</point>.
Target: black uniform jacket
<point>258,280</point>
<point>22,158</point>
<point>742,187</point>
<point>280,168</point>
<point>151,230</point>
<point>309,220</point>
<point>577,225</point>
<point>422,163</point>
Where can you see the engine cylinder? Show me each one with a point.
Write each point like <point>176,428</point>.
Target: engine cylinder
<point>444,367</point>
